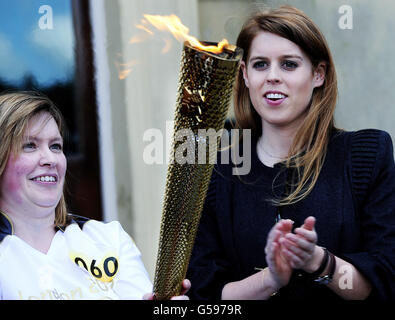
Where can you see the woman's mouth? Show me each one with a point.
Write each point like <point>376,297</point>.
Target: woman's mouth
<point>45,179</point>
<point>274,98</point>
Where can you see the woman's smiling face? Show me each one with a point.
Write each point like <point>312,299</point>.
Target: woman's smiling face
<point>34,176</point>
<point>280,79</point>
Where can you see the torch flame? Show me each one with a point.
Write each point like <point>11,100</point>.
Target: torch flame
<point>124,69</point>
<point>173,24</point>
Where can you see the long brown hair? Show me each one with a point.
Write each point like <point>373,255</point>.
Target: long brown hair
<point>308,150</point>
<point>16,109</point>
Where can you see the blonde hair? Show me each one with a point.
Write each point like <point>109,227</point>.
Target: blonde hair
<point>16,109</point>
<point>307,153</point>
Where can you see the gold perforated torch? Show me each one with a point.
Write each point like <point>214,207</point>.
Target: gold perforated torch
<point>207,76</point>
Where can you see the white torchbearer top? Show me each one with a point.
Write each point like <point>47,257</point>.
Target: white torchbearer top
<point>99,261</point>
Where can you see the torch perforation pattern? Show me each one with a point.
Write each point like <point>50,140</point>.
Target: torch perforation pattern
<point>204,93</point>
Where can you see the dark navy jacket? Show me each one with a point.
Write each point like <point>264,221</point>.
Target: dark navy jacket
<point>353,202</point>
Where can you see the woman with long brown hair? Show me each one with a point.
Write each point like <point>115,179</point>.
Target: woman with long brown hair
<point>314,218</point>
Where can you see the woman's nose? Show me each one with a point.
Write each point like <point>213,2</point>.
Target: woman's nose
<point>47,158</point>
<point>273,75</point>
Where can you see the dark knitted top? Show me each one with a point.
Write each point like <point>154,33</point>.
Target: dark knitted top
<point>353,202</point>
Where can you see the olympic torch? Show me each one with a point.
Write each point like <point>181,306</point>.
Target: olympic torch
<point>205,89</point>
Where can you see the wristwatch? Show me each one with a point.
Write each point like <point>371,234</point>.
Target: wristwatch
<point>326,279</point>
<point>322,266</point>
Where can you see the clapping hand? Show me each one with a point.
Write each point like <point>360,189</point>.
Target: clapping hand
<point>279,267</point>
<point>299,248</point>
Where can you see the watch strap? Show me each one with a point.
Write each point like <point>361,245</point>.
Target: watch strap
<point>326,279</point>
<point>322,266</point>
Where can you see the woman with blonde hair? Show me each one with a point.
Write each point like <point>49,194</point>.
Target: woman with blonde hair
<point>46,253</point>
<point>315,216</point>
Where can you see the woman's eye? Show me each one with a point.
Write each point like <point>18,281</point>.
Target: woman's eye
<point>290,64</point>
<point>57,147</point>
<point>259,65</point>
<point>28,146</point>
